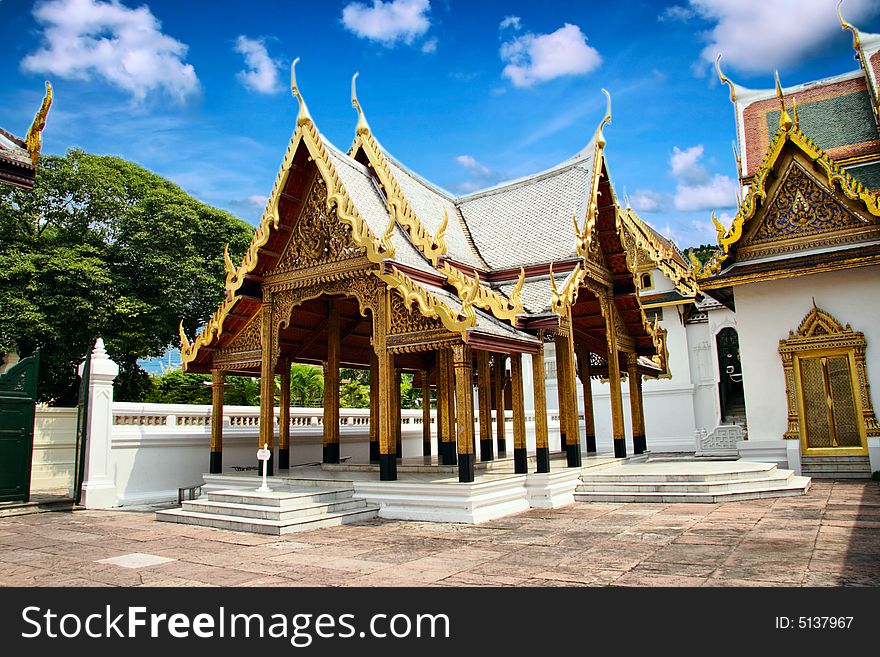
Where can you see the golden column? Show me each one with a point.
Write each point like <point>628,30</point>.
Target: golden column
<point>442,416</point>
<point>569,425</point>
<point>520,454</point>
<point>267,380</point>
<point>637,410</point>
<point>573,446</point>
<point>499,405</point>
<point>426,413</point>
<point>464,392</point>
<point>484,390</point>
<point>284,420</point>
<point>385,367</point>
<point>447,392</point>
<point>542,440</point>
<point>216,464</point>
<point>331,386</point>
<point>395,414</point>
<point>583,356</point>
<point>614,378</point>
<point>374,408</point>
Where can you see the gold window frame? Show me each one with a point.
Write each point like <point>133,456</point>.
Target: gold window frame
<point>821,335</point>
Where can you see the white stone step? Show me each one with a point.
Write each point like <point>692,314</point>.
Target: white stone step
<point>282,498</point>
<point>265,512</point>
<point>780,478</point>
<point>691,472</point>
<point>795,486</point>
<point>270,527</point>
<point>837,475</point>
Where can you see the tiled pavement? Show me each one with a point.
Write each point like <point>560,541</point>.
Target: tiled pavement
<point>830,537</point>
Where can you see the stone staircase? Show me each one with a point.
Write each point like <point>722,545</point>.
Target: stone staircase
<point>836,467</point>
<point>275,513</point>
<point>708,482</point>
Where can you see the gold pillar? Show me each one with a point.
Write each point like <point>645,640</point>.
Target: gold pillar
<point>331,386</point>
<point>542,440</point>
<point>637,411</point>
<point>395,418</point>
<point>520,453</point>
<point>569,422</point>
<point>374,408</point>
<point>385,367</point>
<point>583,356</point>
<point>499,405</point>
<point>617,430</point>
<point>267,380</point>
<point>446,394</point>
<point>426,413</point>
<point>484,389</point>
<point>464,392</point>
<point>284,420</point>
<point>216,463</point>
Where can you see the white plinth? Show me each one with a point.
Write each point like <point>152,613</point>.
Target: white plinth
<point>552,490</point>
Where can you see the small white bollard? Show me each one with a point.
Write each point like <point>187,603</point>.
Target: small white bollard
<point>264,455</point>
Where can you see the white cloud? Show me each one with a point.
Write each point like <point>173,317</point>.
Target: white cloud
<point>262,72</point>
<point>124,47</point>
<point>685,165</point>
<point>676,13</point>
<point>388,22</point>
<point>646,200</point>
<point>533,58</point>
<point>512,22</point>
<point>430,45</point>
<point>758,36</point>
<point>696,188</point>
<point>470,163</point>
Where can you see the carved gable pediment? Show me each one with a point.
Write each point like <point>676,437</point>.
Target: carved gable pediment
<point>244,348</point>
<point>801,213</point>
<point>318,237</point>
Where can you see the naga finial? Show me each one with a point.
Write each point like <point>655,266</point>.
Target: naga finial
<point>857,41</point>
<point>785,121</point>
<point>34,138</point>
<point>184,343</point>
<point>719,228</point>
<point>440,235</point>
<point>600,137</point>
<point>695,262</point>
<point>362,125</point>
<point>385,243</point>
<point>303,115</point>
<point>725,80</point>
<point>516,293</point>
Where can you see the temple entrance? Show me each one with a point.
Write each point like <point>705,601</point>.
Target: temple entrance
<point>18,393</point>
<point>829,405</point>
<point>730,386</point>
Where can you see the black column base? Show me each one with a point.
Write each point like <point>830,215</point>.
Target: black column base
<point>502,448</point>
<point>374,451</point>
<point>466,468</point>
<point>619,448</point>
<point>447,453</point>
<point>284,458</point>
<point>591,444</point>
<point>399,448</point>
<point>487,450</point>
<point>387,467</point>
<point>269,467</point>
<point>426,448</point>
<point>543,454</point>
<point>331,453</point>
<point>216,466</point>
<point>573,454</point>
<point>640,445</point>
<point>520,461</point>
<point>562,440</point>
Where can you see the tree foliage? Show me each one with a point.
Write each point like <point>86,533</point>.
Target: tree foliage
<point>101,247</point>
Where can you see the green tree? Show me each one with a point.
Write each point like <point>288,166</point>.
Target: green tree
<point>175,387</point>
<point>101,247</point>
<point>306,385</point>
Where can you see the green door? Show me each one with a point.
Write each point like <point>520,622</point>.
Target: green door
<point>18,394</point>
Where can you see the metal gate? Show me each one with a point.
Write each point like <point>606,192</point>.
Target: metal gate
<point>18,399</point>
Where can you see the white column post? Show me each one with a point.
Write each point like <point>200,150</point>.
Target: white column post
<point>99,489</point>
<point>793,455</point>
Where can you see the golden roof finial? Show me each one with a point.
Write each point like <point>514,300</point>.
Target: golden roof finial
<point>440,236</point>
<point>362,125</point>
<point>857,42</point>
<point>34,138</point>
<point>184,343</point>
<point>784,119</point>
<point>794,113</point>
<point>303,115</point>
<point>516,293</point>
<point>600,137</point>
<point>725,80</point>
<point>719,228</point>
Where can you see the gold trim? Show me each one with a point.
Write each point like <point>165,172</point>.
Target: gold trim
<point>725,80</point>
<point>428,304</point>
<point>485,297</point>
<point>34,139</point>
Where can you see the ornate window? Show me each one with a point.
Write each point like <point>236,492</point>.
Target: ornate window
<point>826,382</point>
<point>647,281</point>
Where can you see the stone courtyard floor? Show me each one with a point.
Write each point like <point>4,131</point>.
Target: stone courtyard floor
<point>830,537</point>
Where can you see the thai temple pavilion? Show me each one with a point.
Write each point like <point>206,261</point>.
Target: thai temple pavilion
<point>359,262</point>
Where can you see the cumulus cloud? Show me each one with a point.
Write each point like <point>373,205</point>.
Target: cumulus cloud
<point>124,47</point>
<point>513,22</point>
<point>696,188</point>
<point>757,36</point>
<point>261,74</point>
<point>430,45</point>
<point>388,22</point>
<point>470,163</point>
<point>646,200</point>
<point>481,175</point>
<point>533,58</point>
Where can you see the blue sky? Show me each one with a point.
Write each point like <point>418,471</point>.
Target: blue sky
<point>467,94</point>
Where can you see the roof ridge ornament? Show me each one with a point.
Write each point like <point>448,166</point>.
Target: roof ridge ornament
<point>725,80</point>
<point>362,125</point>
<point>785,122</point>
<point>600,137</point>
<point>857,41</point>
<point>34,138</point>
<point>303,116</point>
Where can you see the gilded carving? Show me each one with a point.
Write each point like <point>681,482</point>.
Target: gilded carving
<point>405,319</point>
<point>483,296</point>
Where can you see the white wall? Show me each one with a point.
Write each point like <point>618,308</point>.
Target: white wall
<point>54,444</point>
<point>766,312</point>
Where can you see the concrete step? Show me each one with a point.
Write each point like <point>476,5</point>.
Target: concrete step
<point>838,475</point>
<point>836,467</point>
<point>795,486</point>
<point>281,498</point>
<point>277,513</point>
<point>263,526</point>
<point>693,472</point>
<point>8,509</point>
<point>779,479</point>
